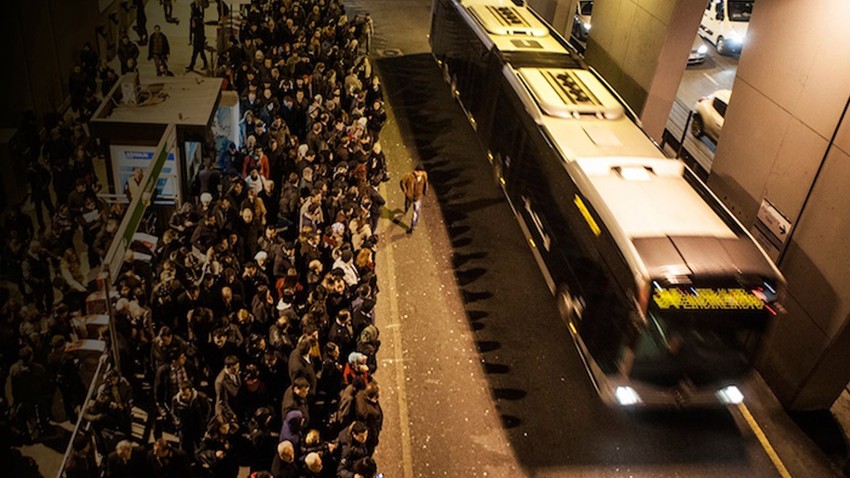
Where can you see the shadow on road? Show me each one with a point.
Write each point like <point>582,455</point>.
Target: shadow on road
<point>550,412</point>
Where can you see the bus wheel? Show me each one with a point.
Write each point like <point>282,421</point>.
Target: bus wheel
<point>569,307</point>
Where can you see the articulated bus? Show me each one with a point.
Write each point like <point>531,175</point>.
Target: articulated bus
<point>666,295</point>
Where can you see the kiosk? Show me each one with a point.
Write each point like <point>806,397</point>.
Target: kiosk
<point>134,115</point>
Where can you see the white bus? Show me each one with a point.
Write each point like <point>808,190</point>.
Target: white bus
<point>666,295</point>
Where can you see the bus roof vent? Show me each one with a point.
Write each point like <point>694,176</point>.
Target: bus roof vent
<point>570,93</point>
<point>508,20</point>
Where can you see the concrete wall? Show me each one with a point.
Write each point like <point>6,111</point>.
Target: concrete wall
<point>641,47</point>
<point>791,90</point>
<point>42,40</point>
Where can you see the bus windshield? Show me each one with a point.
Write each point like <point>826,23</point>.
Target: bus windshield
<point>740,11</point>
<point>674,347</point>
<point>586,7</point>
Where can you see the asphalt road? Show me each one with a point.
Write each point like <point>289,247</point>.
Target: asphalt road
<point>481,378</point>
<point>716,73</point>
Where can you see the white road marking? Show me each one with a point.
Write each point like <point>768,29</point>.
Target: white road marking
<point>398,358</point>
<point>711,79</point>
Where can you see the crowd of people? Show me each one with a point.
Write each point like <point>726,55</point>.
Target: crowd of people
<point>247,333</point>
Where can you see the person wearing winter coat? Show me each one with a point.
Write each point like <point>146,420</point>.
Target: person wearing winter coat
<point>191,411</point>
<point>352,445</point>
<point>367,409</point>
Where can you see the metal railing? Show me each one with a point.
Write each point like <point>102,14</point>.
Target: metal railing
<point>83,425</point>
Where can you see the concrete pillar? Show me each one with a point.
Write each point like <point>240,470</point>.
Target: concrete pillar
<point>559,13</point>
<point>786,140</point>
<point>641,47</point>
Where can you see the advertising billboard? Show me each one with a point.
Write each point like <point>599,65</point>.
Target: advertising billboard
<point>126,158</point>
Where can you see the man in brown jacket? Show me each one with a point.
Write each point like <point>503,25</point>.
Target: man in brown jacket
<point>158,49</point>
<point>414,185</point>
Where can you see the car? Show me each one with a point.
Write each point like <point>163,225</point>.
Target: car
<point>709,114</point>
<point>581,19</point>
<point>724,23</point>
<point>698,51</point>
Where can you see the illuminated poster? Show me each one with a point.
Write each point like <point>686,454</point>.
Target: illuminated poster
<point>126,158</point>
<point>225,126</point>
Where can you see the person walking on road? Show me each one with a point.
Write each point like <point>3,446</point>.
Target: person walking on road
<point>167,8</point>
<point>368,31</point>
<point>128,54</point>
<point>141,22</point>
<point>196,12</point>
<point>414,185</point>
<point>158,49</point>
<point>199,41</point>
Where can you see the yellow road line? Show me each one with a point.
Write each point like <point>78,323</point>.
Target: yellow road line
<point>395,326</point>
<point>768,448</point>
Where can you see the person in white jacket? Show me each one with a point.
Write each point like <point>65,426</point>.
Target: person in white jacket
<point>346,263</point>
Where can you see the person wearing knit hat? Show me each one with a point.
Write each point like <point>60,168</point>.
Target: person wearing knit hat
<point>355,367</point>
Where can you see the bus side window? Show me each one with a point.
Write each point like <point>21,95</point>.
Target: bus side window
<point>505,137</point>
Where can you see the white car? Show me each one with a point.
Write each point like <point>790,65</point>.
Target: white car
<point>698,51</point>
<point>709,114</point>
<point>581,19</point>
<point>725,22</point>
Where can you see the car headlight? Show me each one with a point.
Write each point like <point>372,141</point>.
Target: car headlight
<point>627,396</point>
<point>586,26</point>
<point>730,395</point>
<point>702,49</point>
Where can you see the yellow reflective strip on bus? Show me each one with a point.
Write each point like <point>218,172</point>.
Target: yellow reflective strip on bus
<point>587,217</point>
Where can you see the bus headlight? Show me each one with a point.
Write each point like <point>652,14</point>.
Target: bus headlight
<point>730,395</point>
<point>736,38</point>
<point>627,396</point>
<point>586,26</point>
